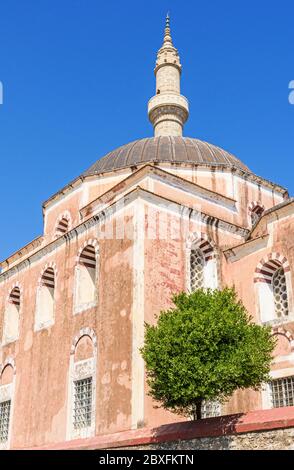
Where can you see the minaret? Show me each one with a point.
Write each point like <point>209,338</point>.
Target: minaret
<point>168,110</point>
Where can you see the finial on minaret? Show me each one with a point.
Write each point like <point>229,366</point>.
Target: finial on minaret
<point>168,110</point>
<point>167,33</point>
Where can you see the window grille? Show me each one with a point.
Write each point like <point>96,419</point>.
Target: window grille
<point>280,293</point>
<point>4,420</point>
<point>82,403</point>
<point>210,409</point>
<point>282,392</point>
<point>196,270</point>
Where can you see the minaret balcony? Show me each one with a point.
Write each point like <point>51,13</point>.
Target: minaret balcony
<point>168,99</point>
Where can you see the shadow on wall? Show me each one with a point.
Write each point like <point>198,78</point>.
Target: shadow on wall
<point>206,434</point>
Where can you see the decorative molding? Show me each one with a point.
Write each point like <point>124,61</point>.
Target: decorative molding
<point>83,369</point>
<point>21,252</point>
<point>9,361</point>
<point>49,249</point>
<point>66,215</point>
<point>83,332</point>
<point>204,243</point>
<point>50,282</point>
<point>109,212</point>
<point>245,249</point>
<point>90,242</point>
<point>14,298</point>
<point>50,265</point>
<point>15,285</point>
<point>208,220</point>
<point>200,240</point>
<point>279,330</point>
<point>268,265</point>
<point>89,259</point>
<point>165,178</point>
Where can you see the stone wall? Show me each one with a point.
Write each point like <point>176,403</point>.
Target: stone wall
<point>282,439</point>
<point>258,430</point>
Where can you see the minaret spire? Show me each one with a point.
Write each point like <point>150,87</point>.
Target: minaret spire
<point>168,110</point>
<point>167,33</point>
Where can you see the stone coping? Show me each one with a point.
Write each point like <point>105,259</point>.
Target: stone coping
<point>254,421</point>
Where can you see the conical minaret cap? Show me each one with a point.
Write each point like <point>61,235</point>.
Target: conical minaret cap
<point>167,53</point>
<point>168,110</point>
<point>167,40</point>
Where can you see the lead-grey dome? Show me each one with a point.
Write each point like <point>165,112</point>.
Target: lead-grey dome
<point>165,149</point>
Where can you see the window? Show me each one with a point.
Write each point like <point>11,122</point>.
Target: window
<point>4,420</point>
<point>202,266</point>
<point>196,269</point>
<point>62,227</point>
<point>82,403</point>
<point>271,277</point>
<point>82,386</point>
<point>86,279</point>
<point>280,293</point>
<point>7,382</point>
<point>282,392</point>
<point>45,299</point>
<point>256,212</point>
<point>11,317</point>
<point>210,409</point>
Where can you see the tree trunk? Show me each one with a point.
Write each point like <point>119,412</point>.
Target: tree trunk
<point>197,410</point>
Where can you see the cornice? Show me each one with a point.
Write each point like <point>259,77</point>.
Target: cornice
<point>107,212</point>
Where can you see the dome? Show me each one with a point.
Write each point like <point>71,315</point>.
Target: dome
<point>165,149</point>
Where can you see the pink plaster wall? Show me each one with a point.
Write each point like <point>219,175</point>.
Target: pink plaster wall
<point>42,357</point>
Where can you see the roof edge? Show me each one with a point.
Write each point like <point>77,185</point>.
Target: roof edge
<point>247,175</point>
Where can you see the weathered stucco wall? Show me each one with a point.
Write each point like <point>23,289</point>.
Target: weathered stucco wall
<point>137,276</point>
<point>42,357</point>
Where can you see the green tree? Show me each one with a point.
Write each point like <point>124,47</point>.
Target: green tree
<point>204,349</point>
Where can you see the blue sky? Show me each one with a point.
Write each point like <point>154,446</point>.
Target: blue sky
<point>77,75</point>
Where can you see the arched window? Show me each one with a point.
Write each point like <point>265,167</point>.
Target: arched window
<point>202,266</point>
<point>280,292</point>
<point>6,395</point>
<point>196,269</point>
<point>86,278</point>
<point>272,290</point>
<point>256,210</point>
<point>62,227</point>
<point>83,388</point>
<point>11,317</point>
<point>45,299</point>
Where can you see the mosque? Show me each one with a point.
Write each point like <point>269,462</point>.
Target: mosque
<point>156,216</point>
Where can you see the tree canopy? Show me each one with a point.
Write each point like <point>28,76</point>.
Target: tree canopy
<point>205,348</point>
